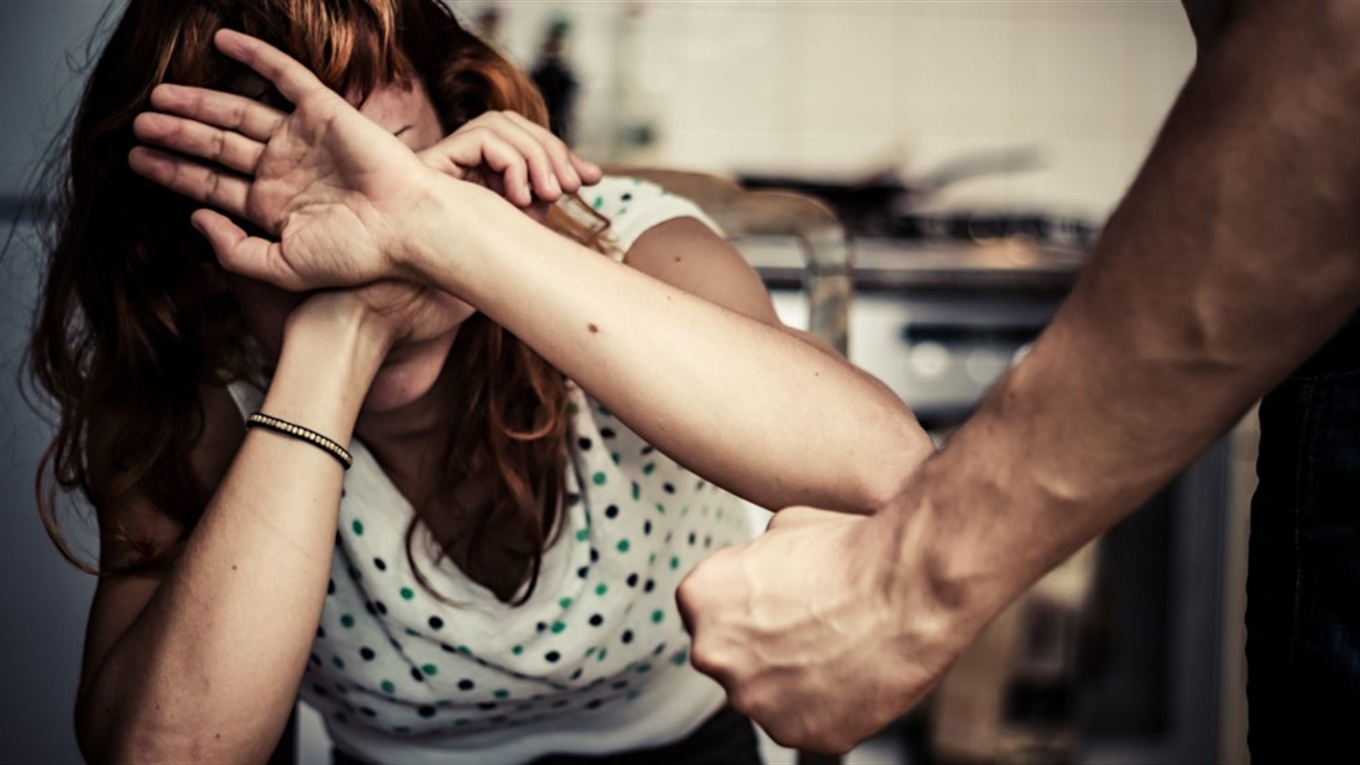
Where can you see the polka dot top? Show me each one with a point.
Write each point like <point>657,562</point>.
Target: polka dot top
<point>596,661</point>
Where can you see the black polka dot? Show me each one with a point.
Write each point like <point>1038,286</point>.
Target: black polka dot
<point>577,674</point>
<point>668,487</point>
<point>320,631</point>
<point>382,607</point>
<point>367,653</point>
<point>330,587</point>
<point>446,648</point>
<point>607,432</point>
<point>426,711</point>
<point>647,450</point>
<point>487,705</point>
<point>370,608</point>
<point>573,498</point>
<point>632,580</point>
<point>343,493</point>
<point>380,564</point>
<point>316,660</point>
<point>659,649</point>
<point>417,676</point>
<point>596,620</point>
<point>541,626</point>
<point>584,443</point>
<point>669,536</point>
<point>627,636</point>
<point>337,539</point>
<point>649,586</point>
<point>708,540</point>
<point>647,527</point>
<point>353,573</point>
<point>552,656</point>
<point>693,538</point>
<point>626,197</point>
<point>368,712</point>
<point>583,572</point>
<point>318,690</point>
<point>612,511</point>
<point>436,623</point>
<point>594,703</point>
<point>466,685</point>
<point>619,685</point>
<point>699,484</point>
<point>395,644</point>
<point>594,555</point>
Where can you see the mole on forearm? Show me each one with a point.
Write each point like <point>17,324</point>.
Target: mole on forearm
<point>593,329</point>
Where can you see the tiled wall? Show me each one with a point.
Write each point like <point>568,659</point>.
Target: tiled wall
<point>846,88</point>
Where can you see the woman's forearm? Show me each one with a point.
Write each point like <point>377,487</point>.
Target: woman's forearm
<point>209,669</point>
<point>745,404</point>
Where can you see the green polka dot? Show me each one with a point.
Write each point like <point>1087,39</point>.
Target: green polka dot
<point>657,616</point>
<point>601,588</point>
<point>684,510</point>
<point>648,468</point>
<point>564,602</point>
<point>407,593</point>
<point>616,457</point>
<point>338,662</point>
<point>501,694</point>
<point>598,479</point>
<point>637,490</point>
<point>582,535</point>
<point>633,694</point>
<point>388,686</point>
<point>431,670</point>
<point>675,562</point>
<point>464,650</point>
<point>347,621</point>
<point>660,508</point>
<point>558,627</point>
<point>603,652</point>
<point>623,545</point>
<point>412,632</point>
<point>680,658</point>
<point>598,203</point>
<point>644,667</point>
<point>603,412</point>
<point>517,650</point>
<point>591,650</point>
<point>573,409</point>
<point>651,559</point>
<point>358,527</point>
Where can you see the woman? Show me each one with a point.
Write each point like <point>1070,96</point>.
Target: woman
<point>494,579</point>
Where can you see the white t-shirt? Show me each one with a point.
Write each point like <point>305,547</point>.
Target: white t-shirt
<point>597,660</point>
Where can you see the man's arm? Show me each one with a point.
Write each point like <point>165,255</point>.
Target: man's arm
<point>1235,254</point>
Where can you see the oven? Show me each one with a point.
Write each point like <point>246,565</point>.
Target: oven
<point>939,320</point>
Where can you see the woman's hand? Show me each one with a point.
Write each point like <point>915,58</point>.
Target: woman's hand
<point>516,158</point>
<point>334,189</point>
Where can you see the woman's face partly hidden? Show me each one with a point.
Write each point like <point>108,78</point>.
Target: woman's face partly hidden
<point>413,365</point>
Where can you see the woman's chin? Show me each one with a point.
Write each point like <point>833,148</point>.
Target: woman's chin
<point>399,385</point>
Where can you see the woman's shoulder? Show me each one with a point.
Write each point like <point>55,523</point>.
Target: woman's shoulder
<point>634,206</point>
<point>140,505</point>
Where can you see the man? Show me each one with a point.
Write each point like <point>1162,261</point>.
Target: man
<point>1235,255</point>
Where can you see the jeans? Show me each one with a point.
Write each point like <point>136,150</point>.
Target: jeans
<point>1303,580</point>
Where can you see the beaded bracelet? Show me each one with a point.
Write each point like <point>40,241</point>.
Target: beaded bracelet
<point>340,453</point>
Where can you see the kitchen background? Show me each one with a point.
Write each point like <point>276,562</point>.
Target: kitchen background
<point>941,125</point>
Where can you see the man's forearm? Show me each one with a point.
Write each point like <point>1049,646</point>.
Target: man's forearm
<point>1235,254</point>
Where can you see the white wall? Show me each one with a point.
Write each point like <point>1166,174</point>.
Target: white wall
<point>852,86</point>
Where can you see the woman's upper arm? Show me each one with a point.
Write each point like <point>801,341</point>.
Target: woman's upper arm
<point>687,254</point>
<point>134,525</point>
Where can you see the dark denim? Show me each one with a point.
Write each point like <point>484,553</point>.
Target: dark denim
<point>726,738</point>
<point>1303,580</point>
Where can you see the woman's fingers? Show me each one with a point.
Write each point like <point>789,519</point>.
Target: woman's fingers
<point>548,181</point>
<point>227,148</point>
<point>225,110</point>
<point>222,190</point>
<point>241,253</point>
<point>293,80</point>
<point>558,154</point>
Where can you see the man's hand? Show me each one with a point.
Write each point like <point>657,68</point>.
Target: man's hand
<point>813,631</point>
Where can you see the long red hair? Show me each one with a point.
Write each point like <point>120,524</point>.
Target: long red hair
<point>135,316</point>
